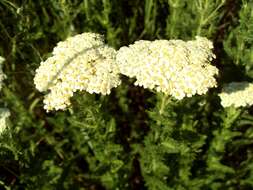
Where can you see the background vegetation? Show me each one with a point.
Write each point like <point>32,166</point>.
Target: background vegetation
<point>124,140</point>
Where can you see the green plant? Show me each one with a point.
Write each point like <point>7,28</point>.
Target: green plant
<point>135,138</point>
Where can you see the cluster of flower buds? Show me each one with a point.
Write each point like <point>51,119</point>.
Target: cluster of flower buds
<point>237,94</point>
<point>83,62</point>
<point>174,67</point>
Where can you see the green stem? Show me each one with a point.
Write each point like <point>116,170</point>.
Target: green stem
<point>171,24</point>
<point>202,11</point>
<point>163,104</point>
<point>221,137</point>
<point>200,25</point>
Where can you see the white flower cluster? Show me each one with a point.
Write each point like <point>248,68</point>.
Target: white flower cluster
<point>2,75</point>
<point>82,62</point>
<point>237,94</point>
<point>4,114</point>
<point>175,67</point>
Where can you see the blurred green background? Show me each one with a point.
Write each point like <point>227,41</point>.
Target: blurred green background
<point>121,141</point>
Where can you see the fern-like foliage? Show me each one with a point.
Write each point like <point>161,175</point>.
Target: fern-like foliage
<point>239,43</point>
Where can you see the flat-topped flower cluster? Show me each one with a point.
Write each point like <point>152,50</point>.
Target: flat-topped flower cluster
<point>83,62</point>
<point>175,67</point>
<point>237,94</point>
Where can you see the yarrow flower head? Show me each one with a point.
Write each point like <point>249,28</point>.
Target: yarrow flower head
<point>82,62</point>
<point>2,75</point>
<point>237,94</point>
<point>4,114</point>
<point>175,67</point>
